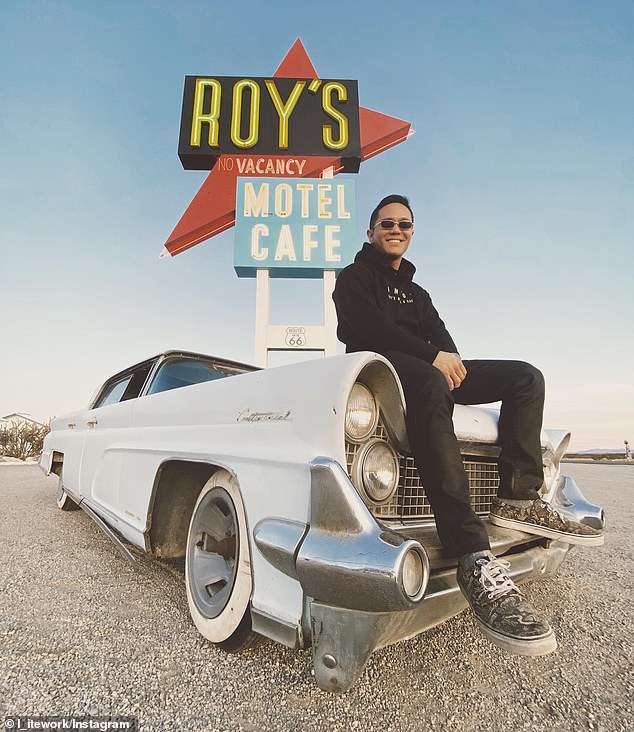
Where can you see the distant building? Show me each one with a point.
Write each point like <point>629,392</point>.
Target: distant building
<point>19,418</point>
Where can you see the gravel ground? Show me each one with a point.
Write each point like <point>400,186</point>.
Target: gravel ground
<point>82,632</point>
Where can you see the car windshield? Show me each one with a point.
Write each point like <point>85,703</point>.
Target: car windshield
<point>177,372</point>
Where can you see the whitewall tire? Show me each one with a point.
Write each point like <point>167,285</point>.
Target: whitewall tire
<point>218,564</point>
<point>64,501</point>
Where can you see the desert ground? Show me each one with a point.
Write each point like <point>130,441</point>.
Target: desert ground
<point>83,632</point>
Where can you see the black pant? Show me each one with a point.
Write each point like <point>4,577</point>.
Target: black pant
<point>430,431</point>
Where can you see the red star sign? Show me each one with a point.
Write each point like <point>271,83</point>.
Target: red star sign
<point>212,209</point>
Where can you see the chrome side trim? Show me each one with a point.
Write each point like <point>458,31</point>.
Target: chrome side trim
<point>75,496</point>
<point>121,547</point>
<point>346,558</point>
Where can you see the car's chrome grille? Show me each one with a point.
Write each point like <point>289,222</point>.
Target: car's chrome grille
<point>410,501</point>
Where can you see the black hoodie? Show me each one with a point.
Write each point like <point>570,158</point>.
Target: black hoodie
<point>381,309</point>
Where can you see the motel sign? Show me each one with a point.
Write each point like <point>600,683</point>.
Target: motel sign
<point>294,227</point>
<point>226,115</point>
<point>273,146</point>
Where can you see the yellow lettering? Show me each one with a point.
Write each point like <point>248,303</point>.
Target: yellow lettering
<point>283,200</point>
<point>258,252</point>
<point>341,119</point>
<point>304,189</point>
<point>254,113</point>
<point>284,110</point>
<point>309,244</point>
<point>211,117</point>
<point>256,204</point>
<point>332,244</point>
<point>285,246</point>
<point>323,200</point>
<point>341,203</point>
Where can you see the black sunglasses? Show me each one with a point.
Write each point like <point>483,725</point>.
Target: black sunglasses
<point>389,224</point>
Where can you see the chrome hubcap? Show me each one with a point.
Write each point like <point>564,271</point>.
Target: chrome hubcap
<point>212,553</point>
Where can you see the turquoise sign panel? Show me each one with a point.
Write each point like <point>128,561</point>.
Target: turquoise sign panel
<point>294,227</point>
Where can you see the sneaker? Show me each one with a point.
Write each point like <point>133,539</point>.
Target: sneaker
<point>542,519</point>
<point>506,618</point>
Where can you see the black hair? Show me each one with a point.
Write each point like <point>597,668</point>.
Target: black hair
<point>392,198</point>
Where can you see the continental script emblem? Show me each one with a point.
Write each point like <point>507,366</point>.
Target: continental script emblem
<point>248,416</point>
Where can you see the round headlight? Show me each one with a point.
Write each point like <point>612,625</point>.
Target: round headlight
<point>379,471</point>
<point>362,413</point>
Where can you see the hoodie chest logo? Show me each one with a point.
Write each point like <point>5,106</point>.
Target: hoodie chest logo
<point>400,296</point>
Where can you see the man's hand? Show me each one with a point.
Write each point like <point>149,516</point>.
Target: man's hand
<point>452,368</point>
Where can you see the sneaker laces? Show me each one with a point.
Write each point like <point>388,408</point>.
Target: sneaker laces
<point>494,578</point>
<point>552,510</point>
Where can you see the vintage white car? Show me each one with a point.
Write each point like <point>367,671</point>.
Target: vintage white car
<point>291,496</point>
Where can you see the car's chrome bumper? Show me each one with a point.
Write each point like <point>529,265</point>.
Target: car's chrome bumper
<point>344,639</point>
<point>350,570</point>
<point>343,557</point>
<point>568,499</point>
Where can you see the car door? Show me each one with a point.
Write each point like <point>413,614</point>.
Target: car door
<point>70,442</point>
<point>106,428</point>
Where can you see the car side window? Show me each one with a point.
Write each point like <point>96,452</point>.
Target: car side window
<point>114,392</point>
<point>125,387</point>
<point>179,372</point>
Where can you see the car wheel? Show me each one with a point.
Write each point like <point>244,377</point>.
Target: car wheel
<point>218,565</point>
<point>64,501</point>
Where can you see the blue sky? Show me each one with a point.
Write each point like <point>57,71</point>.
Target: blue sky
<point>521,175</point>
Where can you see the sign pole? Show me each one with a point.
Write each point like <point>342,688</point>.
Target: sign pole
<point>270,337</point>
<point>262,299</point>
<point>330,314</point>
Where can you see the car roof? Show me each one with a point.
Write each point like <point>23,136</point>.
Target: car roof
<point>154,362</point>
<point>188,354</point>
